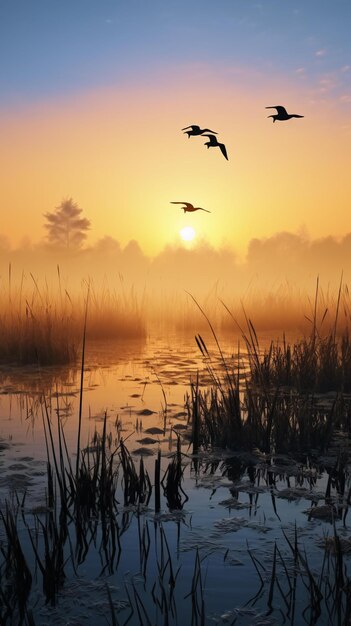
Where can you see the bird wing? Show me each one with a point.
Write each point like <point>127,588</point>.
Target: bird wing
<point>193,127</point>
<point>207,130</point>
<point>204,210</point>
<point>280,109</point>
<point>212,138</point>
<point>223,150</point>
<point>187,204</point>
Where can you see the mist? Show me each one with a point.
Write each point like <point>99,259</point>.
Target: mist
<point>275,282</point>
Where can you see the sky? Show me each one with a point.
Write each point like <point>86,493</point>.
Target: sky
<point>93,97</point>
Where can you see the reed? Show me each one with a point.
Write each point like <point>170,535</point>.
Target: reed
<point>42,326</point>
<point>273,404</point>
<point>172,481</point>
<point>136,487</point>
<point>318,362</point>
<point>158,482</point>
<point>197,594</point>
<point>16,578</point>
<point>313,364</point>
<point>290,309</point>
<point>52,562</point>
<point>35,328</point>
<point>296,592</point>
<point>116,315</point>
<point>82,508</point>
<point>248,415</point>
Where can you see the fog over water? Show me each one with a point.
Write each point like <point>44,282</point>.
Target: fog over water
<point>276,281</point>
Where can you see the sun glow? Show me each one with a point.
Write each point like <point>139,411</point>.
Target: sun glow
<point>187,233</point>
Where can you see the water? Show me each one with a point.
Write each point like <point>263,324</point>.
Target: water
<point>235,508</point>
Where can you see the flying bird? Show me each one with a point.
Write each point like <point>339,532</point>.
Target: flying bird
<point>214,143</point>
<point>282,114</point>
<point>189,208</point>
<point>196,130</point>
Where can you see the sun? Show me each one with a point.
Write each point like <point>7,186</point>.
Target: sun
<point>187,233</point>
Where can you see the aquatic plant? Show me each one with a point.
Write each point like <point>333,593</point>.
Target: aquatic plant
<point>15,575</point>
<point>172,481</point>
<point>256,403</point>
<point>295,590</point>
<point>51,563</point>
<point>116,314</point>
<point>39,326</point>
<point>136,487</point>
<point>82,513</point>
<point>245,415</point>
<point>35,328</point>
<point>317,362</point>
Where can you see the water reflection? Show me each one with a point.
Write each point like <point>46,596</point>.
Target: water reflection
<point>195,535</point>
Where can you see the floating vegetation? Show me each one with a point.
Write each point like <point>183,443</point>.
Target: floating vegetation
<point>146,412</point>
<point>147,441</point>
<point>154,430</point>
<point>233,503</point>
<point>143,452</point>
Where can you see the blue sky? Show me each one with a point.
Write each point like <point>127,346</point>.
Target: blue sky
<point>53,48</point>
<point>94,94</point>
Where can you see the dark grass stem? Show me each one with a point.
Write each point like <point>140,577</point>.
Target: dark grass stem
<point>82,382</point>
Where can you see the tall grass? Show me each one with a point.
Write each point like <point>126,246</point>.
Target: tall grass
<point>285,307</point>
<point>274,405</point>
<point>81,514</point>
<point>15,576</point>
<point>290,309</point>
<point>319,361</point>
<point>42,326</point>
<point>34,328</point>
<point>311,364</point>
<point>116,314</point>
<point>298,592</point>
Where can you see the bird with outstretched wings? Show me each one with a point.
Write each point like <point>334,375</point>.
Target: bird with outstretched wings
<point>190,208</point>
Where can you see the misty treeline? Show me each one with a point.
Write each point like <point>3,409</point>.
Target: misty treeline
<point>65,225</point>
<point>275,282</point>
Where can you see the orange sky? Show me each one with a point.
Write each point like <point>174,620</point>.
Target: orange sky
<point>120,153</point>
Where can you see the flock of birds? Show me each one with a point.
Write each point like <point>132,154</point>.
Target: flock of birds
<point>281,115</point>
<point>213,143</point>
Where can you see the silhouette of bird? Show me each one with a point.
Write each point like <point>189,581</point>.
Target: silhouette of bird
<point>282,114</point>
<point>189,208</point>
<point>196,130</point>
<point>214,143</point>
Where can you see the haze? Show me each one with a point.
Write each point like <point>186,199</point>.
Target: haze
<point>93,100</point>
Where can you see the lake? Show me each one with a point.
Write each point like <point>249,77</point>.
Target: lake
<point>223,555</point>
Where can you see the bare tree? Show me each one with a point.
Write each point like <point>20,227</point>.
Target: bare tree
<point>65,225</point>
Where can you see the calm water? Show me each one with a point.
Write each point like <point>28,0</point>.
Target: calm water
<point>226,507</point>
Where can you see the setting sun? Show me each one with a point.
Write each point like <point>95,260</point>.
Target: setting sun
<point>187,233</point>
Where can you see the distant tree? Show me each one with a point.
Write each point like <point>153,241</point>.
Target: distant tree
<point>65,225</point>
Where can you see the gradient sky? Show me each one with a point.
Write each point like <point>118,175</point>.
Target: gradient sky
<point>93,96</point>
